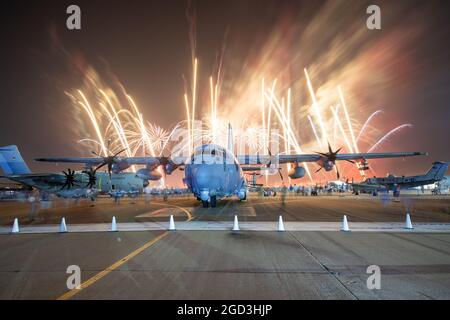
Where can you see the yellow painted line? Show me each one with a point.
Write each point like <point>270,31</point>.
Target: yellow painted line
<point>114,266</point>
<point>189,215</point>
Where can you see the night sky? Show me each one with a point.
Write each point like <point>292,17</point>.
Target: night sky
<point>145,45</point>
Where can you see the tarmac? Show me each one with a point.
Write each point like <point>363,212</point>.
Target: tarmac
<point>204,259</point>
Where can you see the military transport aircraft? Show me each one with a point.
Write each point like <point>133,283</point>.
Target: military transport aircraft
<point>393,183</point>
<point>69,184</point>
<point>213,172</point>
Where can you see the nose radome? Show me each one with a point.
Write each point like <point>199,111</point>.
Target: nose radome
<point>201,174</point>
<point>206,176</point>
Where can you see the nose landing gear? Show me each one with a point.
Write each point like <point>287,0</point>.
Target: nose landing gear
<point>212,201</point>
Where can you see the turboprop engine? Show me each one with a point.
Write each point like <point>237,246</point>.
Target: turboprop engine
<point>296,172</point>
<point>146,174</point>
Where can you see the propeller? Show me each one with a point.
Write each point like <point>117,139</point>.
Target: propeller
<point>70,179</point>
<point>270,163</point>
<point>331,156</point>
<point>168,165</point>
<point>163,162</point>
<point>108,161</point>
<point>92,177</point>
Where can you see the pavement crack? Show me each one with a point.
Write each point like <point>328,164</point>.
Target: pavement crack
<point>333,274</point>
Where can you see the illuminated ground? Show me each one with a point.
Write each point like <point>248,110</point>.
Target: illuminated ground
<point>223,264</point>
<point>297,208</point>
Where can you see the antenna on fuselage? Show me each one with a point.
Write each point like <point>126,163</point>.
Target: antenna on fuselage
<point>230,138</point>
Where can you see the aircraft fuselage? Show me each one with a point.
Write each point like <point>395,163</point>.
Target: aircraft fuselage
<point>214,172</point>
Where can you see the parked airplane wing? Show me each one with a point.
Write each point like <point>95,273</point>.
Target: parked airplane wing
<point>91,161</point>
<point>34,179</point>
<point>283,158</point>
<point>179,161</point>
<point>363,156</point>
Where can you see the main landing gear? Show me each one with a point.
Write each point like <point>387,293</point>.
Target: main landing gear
<point>212,201</point>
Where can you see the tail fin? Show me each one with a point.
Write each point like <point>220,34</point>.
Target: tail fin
<point>437,171</point>
<point>12,162</point>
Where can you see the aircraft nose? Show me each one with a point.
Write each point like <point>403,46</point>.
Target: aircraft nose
<point>205,177</point>
<point>201,174</point>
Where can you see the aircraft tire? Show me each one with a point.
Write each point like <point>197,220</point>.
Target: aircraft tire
<point>213,201</point>
<point>205,204</point>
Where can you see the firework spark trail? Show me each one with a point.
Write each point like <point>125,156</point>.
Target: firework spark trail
<point>139,121</point>
<point>366,124</point>
<point>113,120</point>
<point>275,105</point>
<point>387,135</point>
<point>194,93</point>
<point>285,137</point>
<point>347,117</point>
<point>90,112</point>
<point>335,125</point>
<point>270,109</point>
<point>316,109</point>
<point>123,137</point>
<point>263,120</point>
<point>311,122</point>
<point>341,128</point>
<point>289,143</point>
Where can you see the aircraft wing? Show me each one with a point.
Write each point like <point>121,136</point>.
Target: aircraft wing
<point>364,156</point>
<point>364,186</point>
<point>32,179</point>
<point>129,160</point>
<point>91,161</point>
<point>282,158</point>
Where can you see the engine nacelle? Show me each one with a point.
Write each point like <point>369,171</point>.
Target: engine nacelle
<point>171,167</point>
<point>146,174</point>
<point>120,166</point>
<point>296,172</point>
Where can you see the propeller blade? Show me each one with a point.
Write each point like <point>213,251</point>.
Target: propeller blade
<point>109,169</point>
<point>270,158</point>
<point>119,152</point>
<point>319,169</point>
<point>281,175</point>
<point>100,166</point>
<point>351,161</point>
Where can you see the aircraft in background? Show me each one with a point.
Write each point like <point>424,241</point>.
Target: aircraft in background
<point>392,183</point>
<point>68,184</point>
<point>213,172</point>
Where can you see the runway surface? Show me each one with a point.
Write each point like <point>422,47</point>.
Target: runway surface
<point>221,264</point>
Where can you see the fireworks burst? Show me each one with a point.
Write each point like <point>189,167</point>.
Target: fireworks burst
<point>304,110</point>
